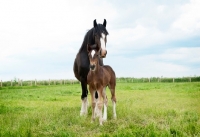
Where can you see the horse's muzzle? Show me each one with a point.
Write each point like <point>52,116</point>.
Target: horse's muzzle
<point>103,53</point>
<point>92,67</point>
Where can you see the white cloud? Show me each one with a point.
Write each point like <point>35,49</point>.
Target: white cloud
<point>176,62</point>
<point>161,8</point>
<point>147,66</point>
<point>182,54</point>
<point>189,20</point>
<point>46,35</point>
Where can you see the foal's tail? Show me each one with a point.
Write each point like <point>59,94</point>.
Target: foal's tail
<point>113,97</point>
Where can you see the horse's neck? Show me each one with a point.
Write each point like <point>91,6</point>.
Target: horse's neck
<point>83,48</point>
<point>88,39</point>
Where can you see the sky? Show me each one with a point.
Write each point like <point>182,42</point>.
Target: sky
<point>39,39</point>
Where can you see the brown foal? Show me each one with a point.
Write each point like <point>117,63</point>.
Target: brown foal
<point>99,77</point>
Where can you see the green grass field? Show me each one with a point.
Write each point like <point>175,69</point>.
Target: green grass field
<point>143,109</point>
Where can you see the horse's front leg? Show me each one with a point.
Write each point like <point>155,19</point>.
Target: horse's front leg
<point>93,101</point>
<point>100,105</point>
<point>84,97</point>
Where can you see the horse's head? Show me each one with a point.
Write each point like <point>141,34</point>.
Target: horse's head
<point>93,54</point>
<point>100,37</point>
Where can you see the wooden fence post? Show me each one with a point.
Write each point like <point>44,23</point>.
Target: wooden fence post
<point>149,80</point>
<point>11,83</point>
<point>1,83</point>
<point>71,82</point>
<point>49,81</point>
<point>173,80</point>
<point>21,82</point>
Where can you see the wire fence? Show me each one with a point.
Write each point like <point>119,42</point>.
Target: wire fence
<point>20,82</point>
<point>36,82</point>
<point>157,79</point>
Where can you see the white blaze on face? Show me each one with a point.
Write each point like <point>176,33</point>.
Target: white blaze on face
<point>92,53</point>
<point>102,40</point>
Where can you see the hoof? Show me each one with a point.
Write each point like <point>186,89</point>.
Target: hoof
<point>104,119</point>
<point>83,114</point>
<point>101,124</point>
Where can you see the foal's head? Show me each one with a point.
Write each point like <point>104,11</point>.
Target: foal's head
<point>93,55</point>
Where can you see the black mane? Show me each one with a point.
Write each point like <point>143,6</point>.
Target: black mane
<point>89,36</point>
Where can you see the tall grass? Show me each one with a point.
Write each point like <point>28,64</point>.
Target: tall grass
<point>143,109</point>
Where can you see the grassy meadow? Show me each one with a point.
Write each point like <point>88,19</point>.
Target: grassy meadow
<point>143,109</point>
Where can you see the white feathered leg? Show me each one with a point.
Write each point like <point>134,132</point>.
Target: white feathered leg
<point>105,100</point>
<point>114,109</point>
<point>84,107</point>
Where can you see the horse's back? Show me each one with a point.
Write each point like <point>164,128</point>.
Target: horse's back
<point>109,69</point>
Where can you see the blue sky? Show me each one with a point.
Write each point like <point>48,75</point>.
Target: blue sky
<point>40,39</point>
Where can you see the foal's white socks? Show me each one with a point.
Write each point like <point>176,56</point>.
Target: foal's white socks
<point>114,109</point>
<point>104,112</point>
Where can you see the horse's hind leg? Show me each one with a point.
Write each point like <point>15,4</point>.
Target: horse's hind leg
<point>84,97</point>
<point>113,98</point>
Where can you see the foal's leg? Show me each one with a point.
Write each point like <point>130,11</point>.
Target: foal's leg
<point>84,97</point>
<point>113,98</point>
<point>96,100</point>
<point>100,105</point>
<point>105,100</point>
<point>93,101</point>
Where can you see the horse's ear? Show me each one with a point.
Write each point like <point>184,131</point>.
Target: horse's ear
<point>95,23</point>
<point>104,23</point>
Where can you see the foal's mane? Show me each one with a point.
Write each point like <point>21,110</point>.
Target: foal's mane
<point>89,36</point>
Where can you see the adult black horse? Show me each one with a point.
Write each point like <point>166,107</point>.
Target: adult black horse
<point>97,36</point>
